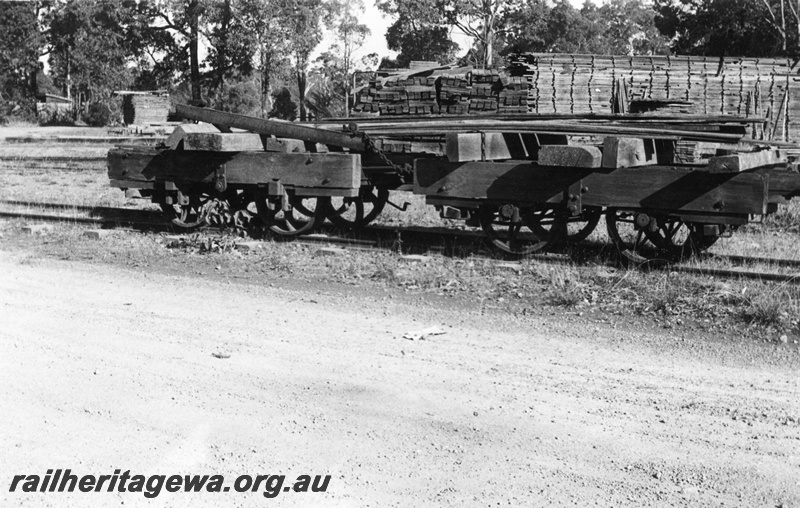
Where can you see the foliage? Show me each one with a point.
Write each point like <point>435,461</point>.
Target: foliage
<point>729,27</point>
<point>619,27</point>
<point>420,32</point>
<point>20,42</point>
<point>483,20</point>
<point>283,106</point>
<point>304,21</point>
<point>240,96</point>
<point>100,114</point>
<point>266,24</point>
<point>350,36</point>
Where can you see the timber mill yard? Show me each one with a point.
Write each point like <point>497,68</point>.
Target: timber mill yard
<point>572,282</point>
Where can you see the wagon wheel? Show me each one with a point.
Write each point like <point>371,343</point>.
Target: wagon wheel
<point>679,239</point>
<point>507,229</point>
<point>632,242</point>
<point>190,215</point>
<point>556,227</point>
<point>303,214</point>
<point>357,212</point>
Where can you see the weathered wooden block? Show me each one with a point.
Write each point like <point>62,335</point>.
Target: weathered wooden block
<point>744,161</point>
<point>37,229</point>
<point>222,141</point>
<point>463,147</point>
<point>96,234</point>
<point>570,156</point>
<point>467,147</point>
<point>284,145</point>
<point>175,140</point>
<point>628,152</point>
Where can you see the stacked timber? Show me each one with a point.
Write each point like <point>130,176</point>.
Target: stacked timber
<point>766,87</point>
<point>484,91</point>
<point>513,95</point>
<point>454,94</point>
<point>366,101</point>
<point>144,108</point>
<point>398,95</point>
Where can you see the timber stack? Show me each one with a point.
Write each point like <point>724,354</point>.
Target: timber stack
<point>144,108</point>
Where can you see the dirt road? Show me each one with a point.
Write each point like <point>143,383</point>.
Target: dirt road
<point>105,368</point>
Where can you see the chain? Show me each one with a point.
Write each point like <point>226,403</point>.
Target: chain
<point>405,171</point>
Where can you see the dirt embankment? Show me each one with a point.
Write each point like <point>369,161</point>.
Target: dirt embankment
<point>106,368</point>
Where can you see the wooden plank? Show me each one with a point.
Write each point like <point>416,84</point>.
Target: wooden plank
<point>222,142</point>
<point>744,161</point>
<point>654,187</point>
<point>628,152</point>
<point>577,156</point>
<point>324,171</point>
<point>175,139</point>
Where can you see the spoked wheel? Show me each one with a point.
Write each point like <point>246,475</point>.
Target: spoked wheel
<point>557,227</point>
<point>357,212</point>
<point>680,239</point>
<point>506,227</point>
<point>641,240</point>
<point>189,215</point>
<point>302,215</point>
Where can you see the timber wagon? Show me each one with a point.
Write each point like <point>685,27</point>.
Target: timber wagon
<point>667,184</point>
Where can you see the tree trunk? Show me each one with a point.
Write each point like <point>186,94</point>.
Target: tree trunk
<point>222,51</point>
<point>193,14</point>
<point>301,90</point>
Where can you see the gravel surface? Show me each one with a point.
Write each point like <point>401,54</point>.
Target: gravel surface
<point>105,367</point>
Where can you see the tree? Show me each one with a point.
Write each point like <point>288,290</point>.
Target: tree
<point>618,27</point>
<point>231,49</point>
<point>304,20</point>
<point>90,48</point>
<point>483,20</point>
<point>20,44</point>
<point>283,106</point>
<point>350,36</point>
<point>420,32</point>
<point>728,27</point>
<point>267,24</point>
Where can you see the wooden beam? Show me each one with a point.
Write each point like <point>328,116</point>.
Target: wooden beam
<point>320,171</point>
<point>284,145</point>
<point>744,161</point>
<point>628,152</point>
<point>222,142</point>
<point>175,139</point>
<point>570,156</point>
<point>664,188</point>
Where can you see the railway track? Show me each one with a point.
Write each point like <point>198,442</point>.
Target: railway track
<point>406,239</point>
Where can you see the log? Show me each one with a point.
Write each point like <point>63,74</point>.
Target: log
<point>628,152</point>
<point>570,156</point>
<point>744,161</point>
<point>271,127</point>
<point>222,142</point>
